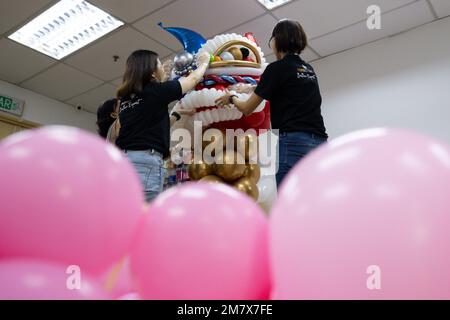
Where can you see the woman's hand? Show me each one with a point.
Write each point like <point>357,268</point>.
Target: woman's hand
<point>167,67</point>
<point>246,107</point>
<point>243,88</point>
<point>188,83</point>
<point>224,100</point>
<point>203,58</point>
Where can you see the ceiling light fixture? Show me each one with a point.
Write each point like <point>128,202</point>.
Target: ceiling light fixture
<point>66,27</point>
<point>272,4</point>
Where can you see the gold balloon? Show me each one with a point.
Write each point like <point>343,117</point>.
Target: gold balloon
<point>211,179</point>
<point>237,53</point>
<point>230,165</point>
<point>247,144</point>
<point>253,172</point>
<point>248,186</point>
<point>199,170</point>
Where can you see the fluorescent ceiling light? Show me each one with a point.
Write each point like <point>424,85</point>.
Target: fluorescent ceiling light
<point>65,28</point>
<point>272,4</point>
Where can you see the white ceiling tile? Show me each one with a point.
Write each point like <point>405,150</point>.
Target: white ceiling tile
<point>117,81</point>
<point>442,7</point>
<point>319,17</point>
<point>208,17</point>
<point>18,62</point>
<point>16,12</point>
<point>261,28</point>
<point>393,22</point>
<point>309,55</point>
<point>61,82</point>
<point>98,59</point>
<point>91,100</point>
<point>129,10</point>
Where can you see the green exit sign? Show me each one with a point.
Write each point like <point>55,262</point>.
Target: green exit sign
<point>11,105</point>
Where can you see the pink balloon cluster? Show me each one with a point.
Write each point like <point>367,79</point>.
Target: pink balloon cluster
<point>67,198</point>
<point>70,199</point>
<point>202,241</point>
<point>366,216</point>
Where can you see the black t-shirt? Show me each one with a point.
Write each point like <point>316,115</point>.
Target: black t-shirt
<point>292,88</point>
<point>144,119</point>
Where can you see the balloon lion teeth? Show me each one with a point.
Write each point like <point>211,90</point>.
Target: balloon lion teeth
<point>207,113</point>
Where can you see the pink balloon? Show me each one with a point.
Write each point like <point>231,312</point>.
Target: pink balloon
<point>366,216</point>
<point>202,241</point>
<point>36,280</point>
<point>117,280</point>
<point>66,196</point>
<point>130,296</point>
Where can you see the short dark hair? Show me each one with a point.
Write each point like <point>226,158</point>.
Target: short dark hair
<point>104,119</point>
<point>141,65</point>
<point>289,36</point>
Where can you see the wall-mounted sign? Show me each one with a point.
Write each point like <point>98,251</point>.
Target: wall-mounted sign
<point>11,105</point>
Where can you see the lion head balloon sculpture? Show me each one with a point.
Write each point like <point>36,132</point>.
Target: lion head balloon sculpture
<point>235,59</point>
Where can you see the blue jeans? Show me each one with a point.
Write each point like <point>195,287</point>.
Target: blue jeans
<point>293,146</point>
<point>149,167</point>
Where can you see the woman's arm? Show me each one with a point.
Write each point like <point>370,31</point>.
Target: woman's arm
<point>246,107</point>
<point>188,83</point>
<point>176,115</point>
<point>173,119</point>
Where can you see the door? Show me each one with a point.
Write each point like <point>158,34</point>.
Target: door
<point>10,125</point>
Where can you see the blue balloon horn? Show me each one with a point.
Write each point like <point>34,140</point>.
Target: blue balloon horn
<point>191,40</point>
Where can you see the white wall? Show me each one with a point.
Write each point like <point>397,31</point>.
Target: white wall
<point>46,111</point>
<point>402,81</point>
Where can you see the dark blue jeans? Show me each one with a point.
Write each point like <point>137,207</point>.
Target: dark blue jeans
<point>293,146</point>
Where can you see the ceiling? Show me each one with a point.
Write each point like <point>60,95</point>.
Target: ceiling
<point>90,75</point>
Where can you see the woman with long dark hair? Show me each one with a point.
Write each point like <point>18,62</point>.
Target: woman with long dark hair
<point>144,119</point>
<point>291,86</point>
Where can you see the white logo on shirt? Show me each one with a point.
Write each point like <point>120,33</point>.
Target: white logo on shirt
<point>305,73</point>
<point>129,104</point>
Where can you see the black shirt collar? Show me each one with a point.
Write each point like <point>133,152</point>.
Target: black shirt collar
<point>292,56</point>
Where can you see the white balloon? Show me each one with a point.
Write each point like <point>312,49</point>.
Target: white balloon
<point>221,114</point>
<point>204,119</point>
<point>229,115</point>
<point>238,114</point>
<point>201,99</point>
<point>227,56</point>
<point>208,117</point>
<point>215,115</point>
<point>213,95</point>
<point>192,98</point>
<point>186,101</point>
<point>204,97</point>
<point>216,43</point>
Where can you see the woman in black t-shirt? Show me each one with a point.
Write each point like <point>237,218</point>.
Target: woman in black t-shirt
<point>144,119</point>
<point>291,86</point>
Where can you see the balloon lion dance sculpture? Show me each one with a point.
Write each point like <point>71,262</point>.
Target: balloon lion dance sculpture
<point>236,60</point>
